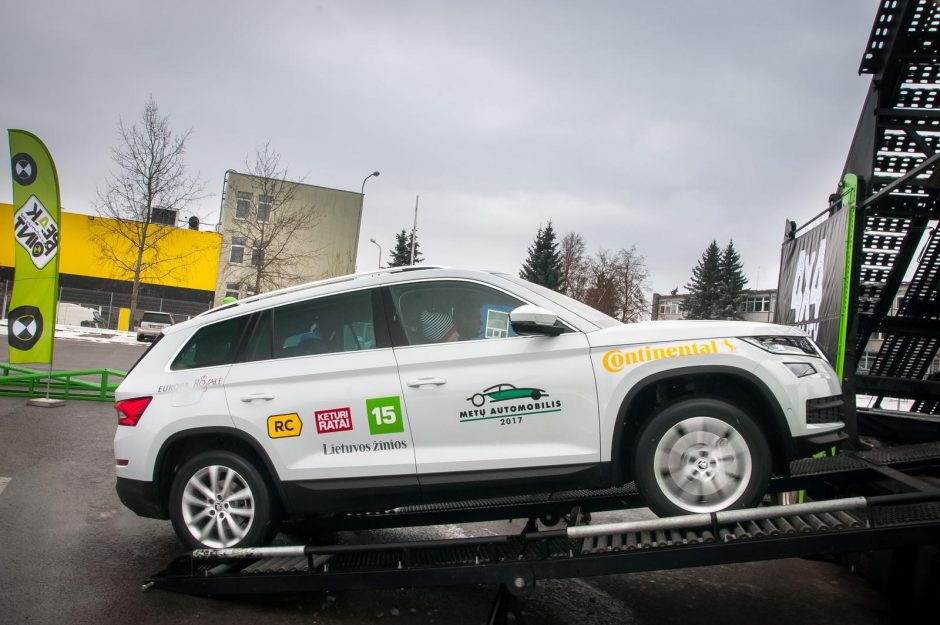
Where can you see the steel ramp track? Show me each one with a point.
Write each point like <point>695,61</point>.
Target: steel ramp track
<point>804,473</point>
<point>518,561</point>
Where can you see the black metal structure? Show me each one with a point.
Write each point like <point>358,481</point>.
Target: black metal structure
<point>894,285</point>
<point>894,503</point>
<point>895,153</point>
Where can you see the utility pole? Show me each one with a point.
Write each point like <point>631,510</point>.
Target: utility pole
<point>414,232</point>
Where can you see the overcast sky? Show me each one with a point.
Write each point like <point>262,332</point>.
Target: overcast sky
<point>661,124</point>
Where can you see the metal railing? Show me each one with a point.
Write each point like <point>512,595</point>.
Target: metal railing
<point>17,381</point>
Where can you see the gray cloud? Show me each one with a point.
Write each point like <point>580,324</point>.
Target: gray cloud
<point>661,124</point>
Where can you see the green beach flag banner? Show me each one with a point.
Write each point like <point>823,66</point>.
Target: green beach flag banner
<point>31,318</point>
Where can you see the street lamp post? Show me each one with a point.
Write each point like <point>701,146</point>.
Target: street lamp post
<point>362,191</point>
<point>380,251</point>
<point>362,197</point>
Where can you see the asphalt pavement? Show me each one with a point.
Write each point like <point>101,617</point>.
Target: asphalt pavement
<point>71,553</point>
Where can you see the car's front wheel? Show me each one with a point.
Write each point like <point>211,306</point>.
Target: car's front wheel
<point>219,500</point>
<point>701,455</point>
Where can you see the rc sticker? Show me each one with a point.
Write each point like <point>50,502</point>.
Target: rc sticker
<point>384,415</point>
<point>333,420</point>
<point>36,231</point>
<point>525,401</point>
<point>616,360</point>
<point>284,425</point>
<point>25,327</point>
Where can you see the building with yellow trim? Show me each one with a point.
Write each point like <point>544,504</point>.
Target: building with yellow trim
<point>81,265</point>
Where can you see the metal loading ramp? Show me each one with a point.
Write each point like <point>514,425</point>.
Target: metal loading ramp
<point>881,499</point>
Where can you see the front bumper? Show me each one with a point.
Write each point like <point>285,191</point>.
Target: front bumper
<point>806,446</point>
<point>141,497</point>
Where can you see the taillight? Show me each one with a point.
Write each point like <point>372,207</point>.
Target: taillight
<point>131,409</point>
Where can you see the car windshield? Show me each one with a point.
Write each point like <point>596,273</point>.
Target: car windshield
<point>572,305</point>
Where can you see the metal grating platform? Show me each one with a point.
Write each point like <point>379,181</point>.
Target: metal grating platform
<point>899,132</point>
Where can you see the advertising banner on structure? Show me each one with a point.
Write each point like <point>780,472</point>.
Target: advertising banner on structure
<point>813,272</point>
<point>31,318</point>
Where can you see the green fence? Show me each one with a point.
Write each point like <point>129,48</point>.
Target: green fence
<point>87,384</point>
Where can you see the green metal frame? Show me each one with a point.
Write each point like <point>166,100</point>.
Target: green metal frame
<point>17,381</point>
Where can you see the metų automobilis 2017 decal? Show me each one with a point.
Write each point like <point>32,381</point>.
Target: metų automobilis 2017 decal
<point>36,232</point>
<point>502,401</point>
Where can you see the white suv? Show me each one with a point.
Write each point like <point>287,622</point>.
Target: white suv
<point>427,384</point>
<point>152,324</point>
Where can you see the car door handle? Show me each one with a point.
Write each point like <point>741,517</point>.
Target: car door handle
<point>254,396</point>
<point>426,382</point>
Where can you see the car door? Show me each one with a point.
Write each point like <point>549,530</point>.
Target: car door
<point>318,385</point>
<point>487,406</point>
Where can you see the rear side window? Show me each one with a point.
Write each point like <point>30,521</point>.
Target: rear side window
<point>157,317</point>
<point>326,325</point>
<point>212,345</point>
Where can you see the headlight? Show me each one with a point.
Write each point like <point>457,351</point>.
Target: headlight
<point>794,345</point>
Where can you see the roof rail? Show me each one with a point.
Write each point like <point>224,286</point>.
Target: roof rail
<point>324,282</point>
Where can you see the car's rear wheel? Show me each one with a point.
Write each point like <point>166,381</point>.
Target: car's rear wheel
<point>701,455</point>
<point>220,500</point>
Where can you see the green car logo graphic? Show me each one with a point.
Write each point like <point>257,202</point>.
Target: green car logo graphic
<point>504,392</point>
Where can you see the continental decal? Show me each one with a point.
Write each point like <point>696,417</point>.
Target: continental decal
<point>615,360</point>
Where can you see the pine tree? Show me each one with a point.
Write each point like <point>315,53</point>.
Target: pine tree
<point>732,283</point>
<point>401,253</point>
<point>704,301</point>
<point>543,266</point>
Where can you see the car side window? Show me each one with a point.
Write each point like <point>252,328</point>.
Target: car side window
<point>258,345</point>
<point>211,345</point>
<point>451,310</point>
<point>325,325</point>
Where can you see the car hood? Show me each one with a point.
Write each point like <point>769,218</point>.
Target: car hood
<point>665,331</point>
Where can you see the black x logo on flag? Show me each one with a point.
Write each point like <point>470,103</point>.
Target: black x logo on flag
<point>24,169</point>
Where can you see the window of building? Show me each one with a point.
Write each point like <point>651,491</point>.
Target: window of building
<point>242,205</point>
<point>212,345</point>
<point>237,255</point>
<point>757,303</point>
<point>257,255</point>
<point>231,289</point>
<point>669,308</point>
<point>326,325</point>
<point>264,207</point>
<point>445,311</point>
<point>163,216</point>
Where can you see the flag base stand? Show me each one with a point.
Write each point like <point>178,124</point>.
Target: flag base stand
<point>45,402</point>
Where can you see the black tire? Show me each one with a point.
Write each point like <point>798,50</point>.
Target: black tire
<point>232,515</point>
<point>701,455</point>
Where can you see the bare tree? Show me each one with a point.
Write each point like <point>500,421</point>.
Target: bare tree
<point>575,267</point>
<point>602,292</point>
<point>150,183</point>
<point>630,275</point>
<point>275,218</point>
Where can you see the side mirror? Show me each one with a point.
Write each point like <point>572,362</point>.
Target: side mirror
<point>534,320</point>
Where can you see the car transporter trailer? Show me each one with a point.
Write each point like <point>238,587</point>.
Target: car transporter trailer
<point>882,499</point>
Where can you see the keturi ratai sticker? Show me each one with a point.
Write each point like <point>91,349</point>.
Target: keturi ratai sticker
<point>615,360</point>
<point>333,420</point>
<point>506,400</point>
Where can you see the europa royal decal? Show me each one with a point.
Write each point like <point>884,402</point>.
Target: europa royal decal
<point>333,420</point>
<point>615,360</point>
<point>508,403</point>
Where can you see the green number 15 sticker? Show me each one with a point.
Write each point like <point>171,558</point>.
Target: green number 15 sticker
<point>384,415</point>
